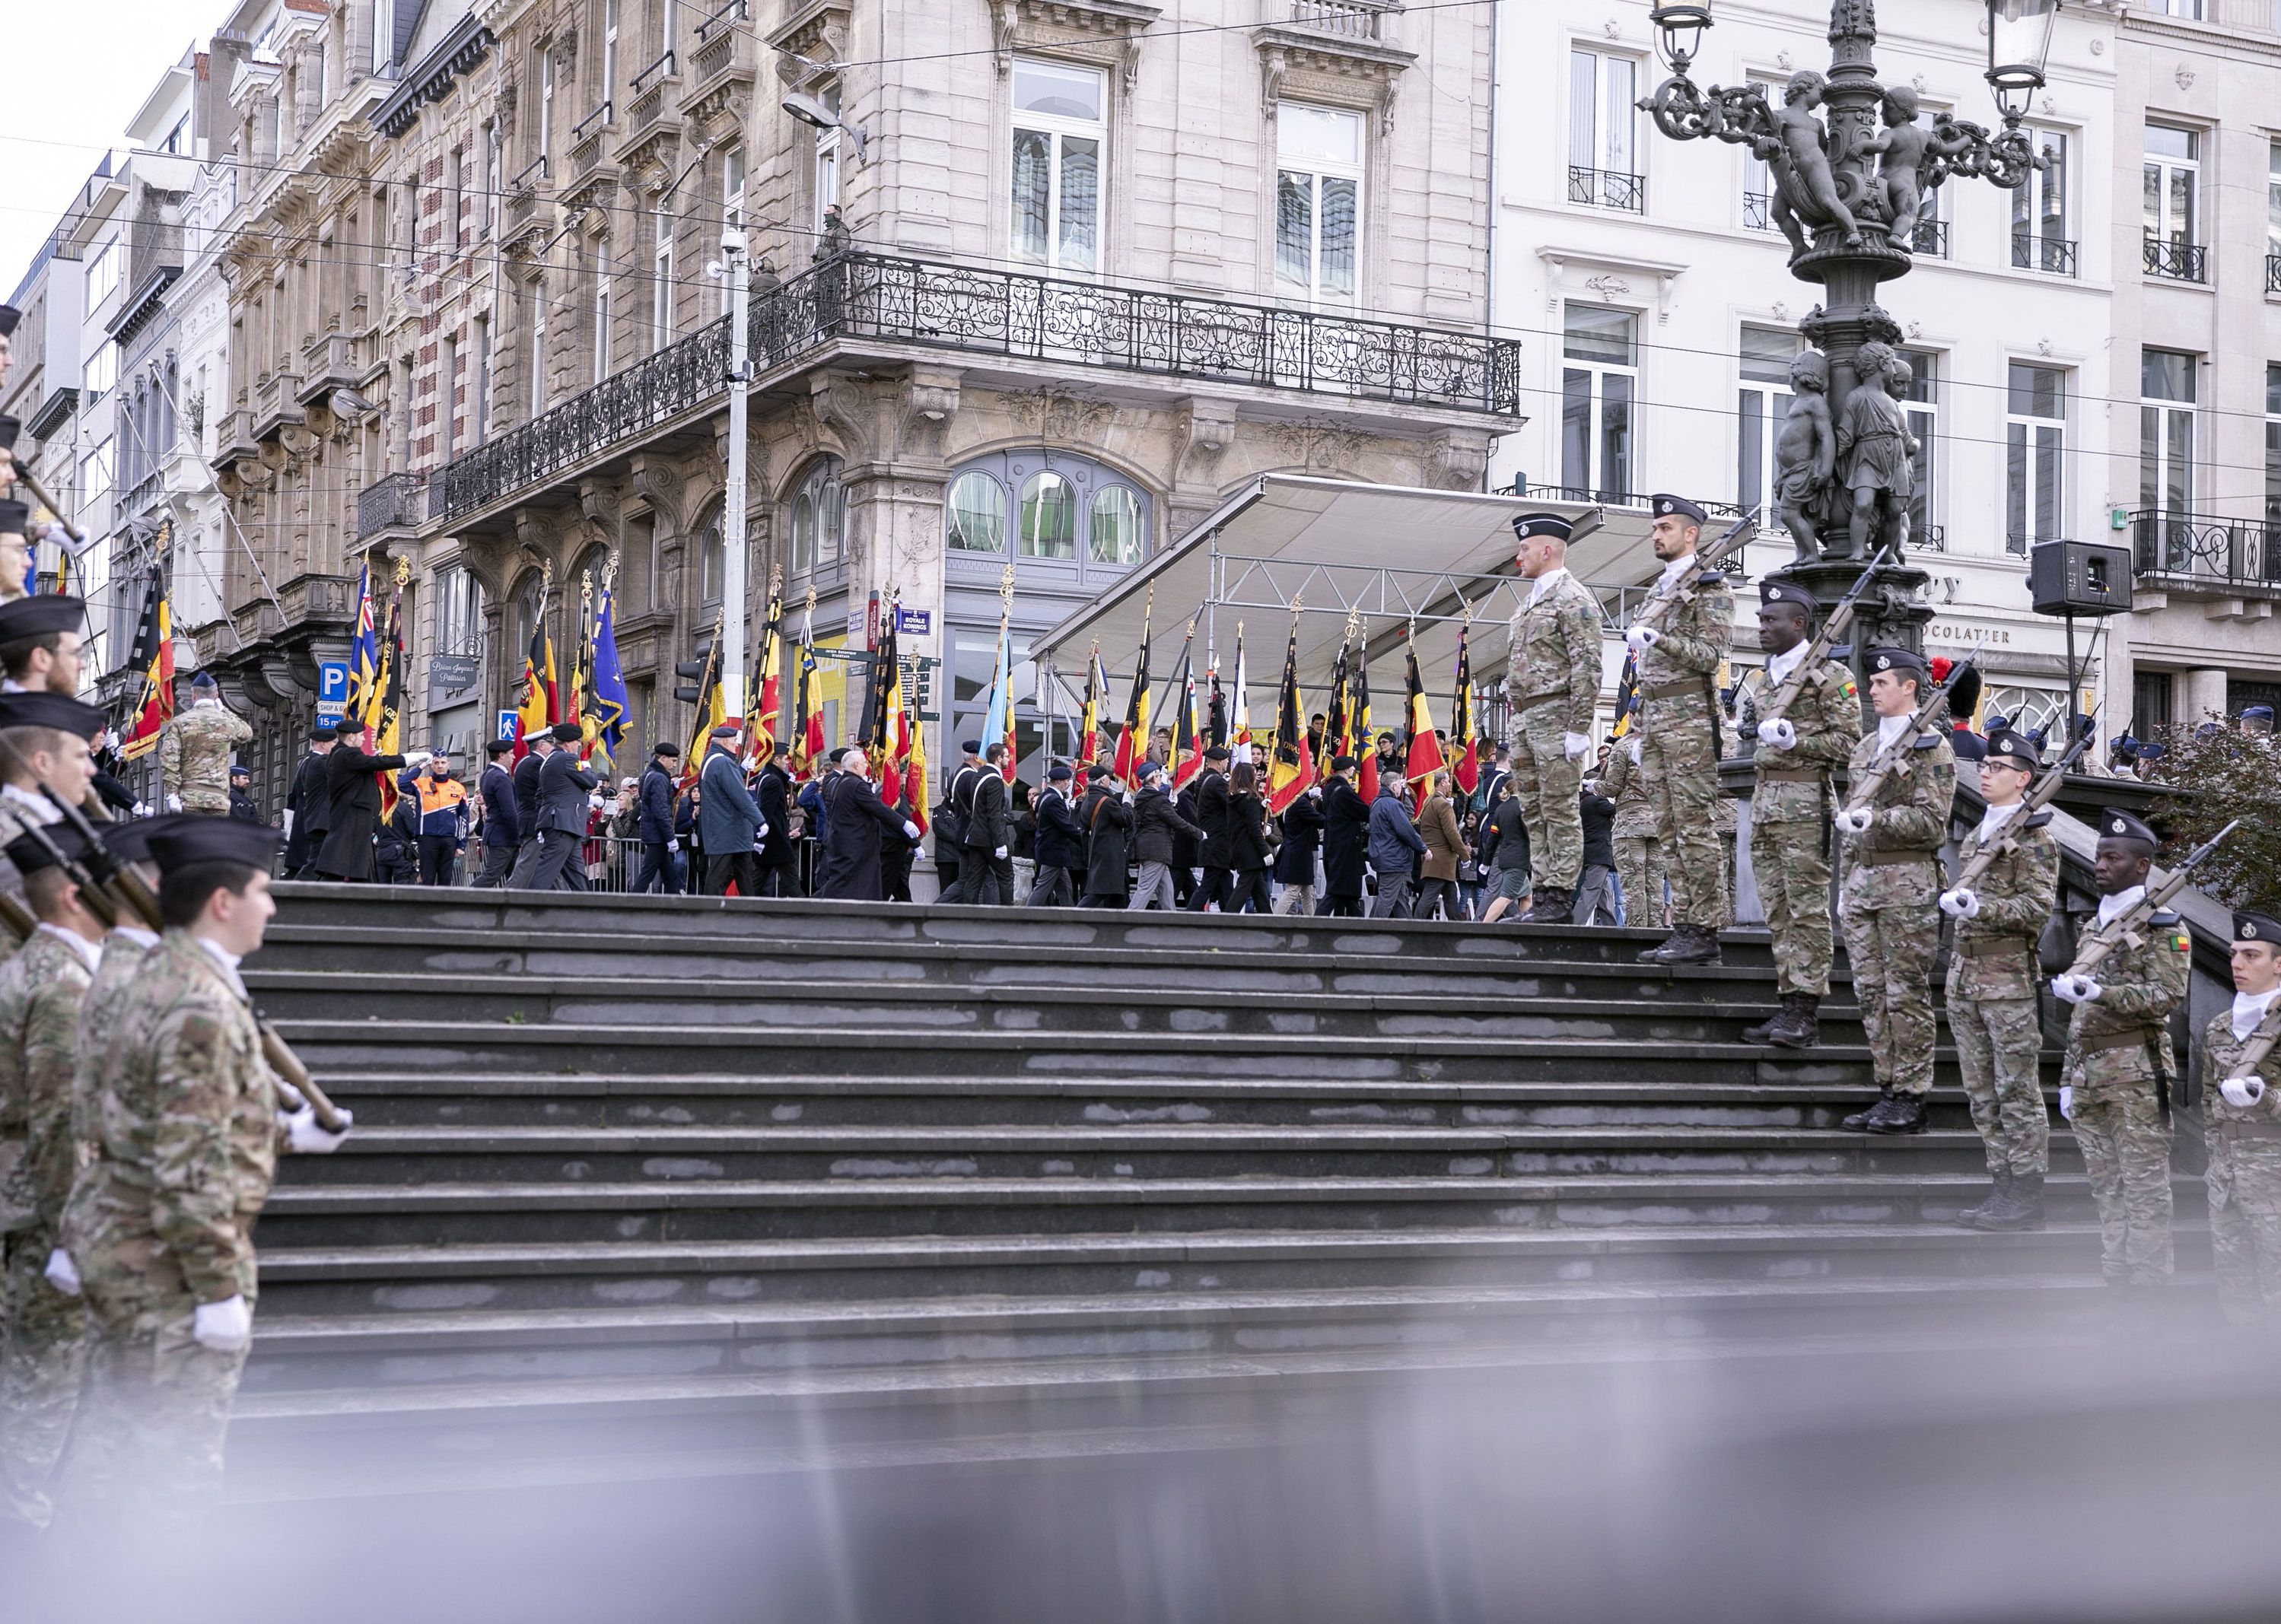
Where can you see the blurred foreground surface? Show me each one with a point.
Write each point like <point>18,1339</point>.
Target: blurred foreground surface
<point>1949,1476</point>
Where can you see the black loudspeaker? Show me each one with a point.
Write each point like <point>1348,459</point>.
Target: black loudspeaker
<point>2079,577</point>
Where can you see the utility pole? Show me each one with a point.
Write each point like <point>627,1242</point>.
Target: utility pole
<point>738,269</point>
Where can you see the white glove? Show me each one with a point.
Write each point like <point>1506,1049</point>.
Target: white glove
<point>2075,989</point>
<point>1315,792</point>
<point>595,800</point>
<point>1960,903</point>
<point>1855,820</point>
<point>2067,1101</point>
<point>306,1138</point>
<point>2241,1093</point>
<point>759,834</point>
<point>142,809</point>
<point>673,844</point>
<point>910,830</point>
<point>1642,637</point>
<point>226,1327</point>
<point>1001,852</point>
<point>1777,734</point>
<point>1634,742</point>
<point>288,823</point>
<point>173,803</point>
<point>62,1273</point>
<point>1576,743</point>
<point>1128,798</point>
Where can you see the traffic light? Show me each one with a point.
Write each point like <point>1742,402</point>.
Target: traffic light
<point>701,673</point>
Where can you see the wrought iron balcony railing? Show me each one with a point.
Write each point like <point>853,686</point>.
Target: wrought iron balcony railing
<point>592,122</point>
<point>1607,189</point>
<point>2202,547</point>
<point>2273,273</point>
<point>1930,239</point>
<point>735,12</point>
<point>2055,254</point>
<point>651,74</point>
<point>2176,261</point>
<point>1757,210</point>
<point>1014,316</point>
<point>397,501</point>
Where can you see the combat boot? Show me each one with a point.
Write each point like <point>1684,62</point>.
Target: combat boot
<point>2021,1206</point>
<point>1553,905</point>
<point>1896,1113</point>
<point>1765,1030</point>
<point>1690,944</point>
<point>1994,1201</point>
<point>1799,1026</point>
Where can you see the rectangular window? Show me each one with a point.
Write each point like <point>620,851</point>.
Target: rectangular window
<point>1061,130</point>
<point>95,471</point>
<point>459,611</point>
<point>2150,702</point>
<point>661,286</point>
<point>317,72</point>
<point>609,87</point>
<point>538,346</point>
<point>1921,410</point>
<point>601,330</point>
<point>1758,175</point>
<point>1764,402</point>
<point>732,187</point>
<point>479,385</point>
<point>546,107</point>
<point>494,177</point>
<point>2170,193</point>
<point>454,225</point>
<point>1317,202</point>
<point>103,272</point>
<point>383,35</point>
<point>447,413</point>
<point>827,177</point>
<point>2273,217</point>
<point>2166,452</point>
<point>2035,447</point>
<point>1604,132</point>
<point>2040,238</point>
<point>98,374</point>
<point>1597,387</point>
<point>2272,450</point>
<point>2190,10</point>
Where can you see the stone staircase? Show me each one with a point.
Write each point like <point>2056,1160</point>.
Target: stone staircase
<point>690,1171</point>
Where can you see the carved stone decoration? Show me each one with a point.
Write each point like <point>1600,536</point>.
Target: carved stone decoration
<point>1204,431</point>
<point>1609,288</point>
<point>1805,454</point>
<point>1874,451</point>
<point>1456,460</point>
<point>2185,76</point>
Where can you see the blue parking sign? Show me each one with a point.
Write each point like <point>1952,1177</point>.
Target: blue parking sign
<point>332,686</point>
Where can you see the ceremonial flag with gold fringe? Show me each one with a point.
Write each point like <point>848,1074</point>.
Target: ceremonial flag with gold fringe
<point>1187,736</point>
<point>364,654</point>
<point>808,712</point>
<point>387,726</point>
<point>712,709</point>
<point>1239,708</point>
<point>1466,771</point>
<point>1335,742</point>
<point>154,655</point>
<point>1421,751</point>
<point>1132,743</point>
<point>767,684</point>
<point>603,702</point>
<point>1089,727</point>
<point>1362,746</point>
<point>882,740</point>
<point>1290,763</point>
<point>535,703</point>
<point>1626,698</point>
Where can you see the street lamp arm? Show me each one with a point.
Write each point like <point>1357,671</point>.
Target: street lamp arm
<point>1684,111</point>
<point>1960,147</point>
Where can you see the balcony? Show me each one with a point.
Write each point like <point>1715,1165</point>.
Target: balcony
<point>2188,551</point>
<point>1929,240</point>
<point>1757,210</point>
<point>399,502</point>
<point>720,63</point>
<point>2176,261</point>
<point>1346,19</point>
<point>2273,273</point>
<point>306,605</point>
<point>2053,254</point>
<point>1607,189</point>
<point>875,299</point>
<point>651,137</point>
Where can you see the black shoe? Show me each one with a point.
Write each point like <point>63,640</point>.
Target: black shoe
<point>1764,1031</point>
<point>2020,1207</point>
<point>1896,1113</point>
<point>1553,905</point>
<point>1993,1202</point>
<point>1690,944</point>
<point>1799,1025</point>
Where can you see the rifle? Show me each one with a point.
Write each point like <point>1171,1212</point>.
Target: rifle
<point>107,885</point>
<point>2104,940</point>
<point>2261,1045</point>
<point>1864,789</point>
<point>20,921</point>
<point>1778,703</point>
<point>31,482</point>
<point>2037,799</point>
<point>1707,562</point>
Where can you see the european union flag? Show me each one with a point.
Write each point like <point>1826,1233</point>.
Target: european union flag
<point>609,703</point>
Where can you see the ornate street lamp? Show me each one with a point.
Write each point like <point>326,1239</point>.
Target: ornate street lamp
<point>1853,165</point>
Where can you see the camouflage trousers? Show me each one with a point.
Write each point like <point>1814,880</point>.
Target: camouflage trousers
<point>1679,763</point>
<point>205,797</point>
<point>40,1370</point>
<point>1547,781</point>
<point>2126,1148</point>
<point>1639,865</point>
<point>1792,869</point>
<point>2245,1215</point>
<point>1998,1042</point>
<point>1892,951</point>
<point>148,1447</point>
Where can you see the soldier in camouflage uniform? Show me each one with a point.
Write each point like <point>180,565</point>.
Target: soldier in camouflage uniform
<point>1889,882</point>
<point>2244,1118</point>
<point>1639,855</point>
<point>1552,685</point>
<point>1678,660</point>
<point>194,751</point>
<point>40,1355</point>
<point>2118,1054</point>
<point>43,740</point>
<point>1991,985</point>
<point>187,1132</point>
<point>1791,806</point>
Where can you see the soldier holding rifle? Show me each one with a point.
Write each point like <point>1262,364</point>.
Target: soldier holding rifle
<point>2244,1115</point>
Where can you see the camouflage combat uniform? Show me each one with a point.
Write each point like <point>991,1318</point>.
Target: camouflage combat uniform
<point>194,755</point>
<point>2244,1176</point>
<point>1791,806</point>
<point>1992,995</point>
<point>41,1355</point>
<point>1639,855</point>
<point>1679,746</point>
<point>2117,1057</point>
<point>1551,689</point>
<point>187,1144</point>
<point>1888,906</point>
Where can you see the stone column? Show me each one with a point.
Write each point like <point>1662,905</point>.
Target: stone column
<point>2202,696</point>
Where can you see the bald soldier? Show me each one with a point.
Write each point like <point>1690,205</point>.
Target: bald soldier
<point>1552,685</point>
<point>1681,642</point>
<point>2244,1118</point>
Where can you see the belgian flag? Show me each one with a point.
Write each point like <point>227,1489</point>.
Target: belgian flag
<point>1361,746</point>
<point>154,655</point>
<point>1290,765</point>
<point>1422,750</point>
<point>1187,737</point>
<point>1132,743</point>
<point>1468,769</point>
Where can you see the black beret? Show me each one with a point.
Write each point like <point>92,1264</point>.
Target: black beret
<point>194,837</point>
<point>1527,524</point>
<point>2246,927</point>
<point>10,428</point>
<point>130,841</point>
<point>14,516</point>
<point>1774,590</point>
<point>2004,743</point>
<point>40,614</point>
<point>56,710</point>
<point>1095,773</point>
<point>666,747</point>
<point>9,316</point>
<point>1218,752</point>
<point>2116,824</point>
<point>1666,506</point>
<point>971,747</point>
<point>1896,660</point>
<point>1058,772</point>
<point>1343,763</point>
<point>30,854</point>
<point>324,732</point>
<point>566,732</point>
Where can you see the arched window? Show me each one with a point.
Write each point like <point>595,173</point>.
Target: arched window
<point>1114,531</point>
<point>977,514</point>
<point>530,605</point>
<point>595,565</point>
<point>819,518</point>
<point>1048,517</point>
<point>712,558</point>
